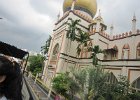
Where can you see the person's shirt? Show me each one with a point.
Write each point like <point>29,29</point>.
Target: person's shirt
<point>3,98</point>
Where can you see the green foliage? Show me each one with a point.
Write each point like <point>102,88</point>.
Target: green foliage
<point>118,90</point>
<point>134,96</point>
<point>96,50</point>
<point>36,64</point>
<point>91,82</point>
<point>75,33</point>
<point>100,97</point>
<point>122,87</point>
<point>60,83</point>
<point>72,29</point>
<point>82,39</point>
<point>45,48</point>
<point>64,85</point>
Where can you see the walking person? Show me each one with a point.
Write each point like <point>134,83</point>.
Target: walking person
<point>10,80</point>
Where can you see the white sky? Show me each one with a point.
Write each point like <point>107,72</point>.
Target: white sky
<point>28,23</point>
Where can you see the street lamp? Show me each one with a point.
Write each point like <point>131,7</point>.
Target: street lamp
<point>0,18</point>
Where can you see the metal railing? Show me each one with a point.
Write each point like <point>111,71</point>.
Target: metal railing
<point>33,83</point>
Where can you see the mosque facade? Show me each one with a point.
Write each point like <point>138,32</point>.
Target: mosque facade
<point>122,51</point>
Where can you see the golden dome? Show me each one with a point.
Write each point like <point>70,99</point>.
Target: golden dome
<point>89,6</point>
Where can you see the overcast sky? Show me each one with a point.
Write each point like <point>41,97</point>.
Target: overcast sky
<point>28,23</point>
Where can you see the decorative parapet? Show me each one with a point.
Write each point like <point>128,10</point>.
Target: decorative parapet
<point>125,35</point>
<point>83,16</point>
<point>114,37</point>
<point>104,34</point>
<point>76,12</point>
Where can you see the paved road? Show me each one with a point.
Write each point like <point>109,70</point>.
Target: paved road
<point>25,92</point>
<point>37,90</point>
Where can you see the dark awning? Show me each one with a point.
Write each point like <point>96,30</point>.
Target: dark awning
<point>10,50</point>
<point>111,50</point>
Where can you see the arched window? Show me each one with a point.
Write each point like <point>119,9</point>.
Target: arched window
<point>136,84</point>
<point>115,54</point>
<point>84,52</point>
<point>111,53</point>
<point>125,51</point>
<point>138,51</point>
<point>55,52</point>
<point>112,78</point>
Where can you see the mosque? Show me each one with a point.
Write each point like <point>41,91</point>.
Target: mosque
<point>122,51</point>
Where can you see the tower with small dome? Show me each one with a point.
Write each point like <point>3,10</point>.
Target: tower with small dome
<point>121,51</point>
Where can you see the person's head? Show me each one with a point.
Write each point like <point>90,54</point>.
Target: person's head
<point>10,79</point>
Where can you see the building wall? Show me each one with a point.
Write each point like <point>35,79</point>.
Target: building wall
<point>67,56</point>
<point>132,41</point>
<point>131,72</point>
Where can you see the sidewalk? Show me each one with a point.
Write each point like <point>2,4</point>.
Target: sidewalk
<point>37,90</point>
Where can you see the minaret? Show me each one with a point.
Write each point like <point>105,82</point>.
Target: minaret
<point>99,13</point>
<point>73,4</point>
<point>134,24</point>
<point>134,32</point>
<point>100,26</point>
<point>58,16</point>
<point>98,21</point>
<point>111,29</point>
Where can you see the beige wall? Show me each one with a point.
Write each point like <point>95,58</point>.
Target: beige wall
<point>131,72</point>
<point>132,41</point>
<point>117,67</point>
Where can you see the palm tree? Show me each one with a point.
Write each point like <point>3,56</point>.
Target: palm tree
<point>96,50</point>
<point>84,78</point>
<point>90,84</point>
<point>71,33</point>
<point>45,48</point>
<point>72,29</point>
<point>82,39</point>
<point>75,33</point>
